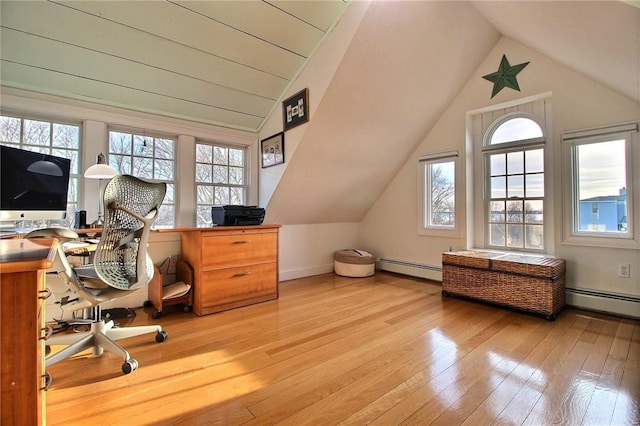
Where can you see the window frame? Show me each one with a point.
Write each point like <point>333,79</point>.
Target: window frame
<point>570,141</point>
<point>520,145</point>
<point>74,176</point>
<point>425,163</point>
<point>171,198</point>
<point>245,186</point>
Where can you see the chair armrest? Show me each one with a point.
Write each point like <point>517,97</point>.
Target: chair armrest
<point>59,233</point>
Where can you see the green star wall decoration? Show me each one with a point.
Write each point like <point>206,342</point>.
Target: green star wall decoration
<point>505,76</point>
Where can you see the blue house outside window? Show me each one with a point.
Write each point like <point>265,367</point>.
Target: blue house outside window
<point>604,213</point>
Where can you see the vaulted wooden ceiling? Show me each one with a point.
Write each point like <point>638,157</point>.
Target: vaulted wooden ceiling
<point>220,62</point>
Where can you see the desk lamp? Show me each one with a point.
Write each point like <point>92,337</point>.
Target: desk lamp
<point>100,171</point>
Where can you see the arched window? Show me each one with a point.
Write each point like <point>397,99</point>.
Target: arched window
<point>514,180</point>
<point>515,129</point>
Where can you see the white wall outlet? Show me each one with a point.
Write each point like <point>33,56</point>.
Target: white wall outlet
<point>173,260</point>
<point>624,270</point>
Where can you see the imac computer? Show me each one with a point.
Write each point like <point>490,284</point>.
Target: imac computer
<point>33,186</point>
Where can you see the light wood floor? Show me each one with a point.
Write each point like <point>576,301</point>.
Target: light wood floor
<point>382,350</point>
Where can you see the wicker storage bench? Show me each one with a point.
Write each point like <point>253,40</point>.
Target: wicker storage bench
<point>530,283</point>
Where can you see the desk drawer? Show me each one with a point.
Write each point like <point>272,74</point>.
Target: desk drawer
<point>232,287</point>
<point>227,251</point>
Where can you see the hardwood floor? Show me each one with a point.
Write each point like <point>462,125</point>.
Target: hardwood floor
<point>383,350</point>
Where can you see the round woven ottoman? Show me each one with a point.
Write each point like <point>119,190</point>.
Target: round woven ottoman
<point>354,263</point>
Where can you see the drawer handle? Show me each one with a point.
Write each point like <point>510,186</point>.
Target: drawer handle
<point>241,274</point>
<point>242,242</point>
<point>44,294</point>
<point>48,332</point>
<point>48,379</point>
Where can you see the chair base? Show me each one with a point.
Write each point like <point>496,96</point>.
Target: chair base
<point>102,335</point>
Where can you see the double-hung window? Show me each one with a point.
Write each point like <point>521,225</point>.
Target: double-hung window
<point>149,157</point>
<point>48,137</point>
<point>600,186</point>
<point>513,155</point>
<point>220,178</point>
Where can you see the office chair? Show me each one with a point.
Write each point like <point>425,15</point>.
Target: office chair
<point>120,263</point>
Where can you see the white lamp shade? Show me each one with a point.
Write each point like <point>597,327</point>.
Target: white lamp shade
<point>100,171</point>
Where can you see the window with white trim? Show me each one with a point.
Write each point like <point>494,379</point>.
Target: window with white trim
<point>514,183</point>
<point>48,137</point>
<point>601,187</point>
<point>149,157</point>
<point>437,183</point>
<point>220,178</point>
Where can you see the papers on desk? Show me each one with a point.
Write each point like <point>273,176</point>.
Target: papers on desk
<point>174,290</point>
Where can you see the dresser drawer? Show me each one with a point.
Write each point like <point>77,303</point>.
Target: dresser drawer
<point>227,251</point>
<point>232,287</point>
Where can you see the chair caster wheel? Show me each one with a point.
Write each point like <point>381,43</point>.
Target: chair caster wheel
<point>47,350</point>
<point>187,308</point>
<point>156,315</point>
<point>147,304</point>
<point>162,336</point>
<point>129,366</point>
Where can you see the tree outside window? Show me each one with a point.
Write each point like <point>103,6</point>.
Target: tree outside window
<point>47,137</point>
<point>220,178</point>
<point>437,181</point>
<point>151,158</point>
<point>514,161</point>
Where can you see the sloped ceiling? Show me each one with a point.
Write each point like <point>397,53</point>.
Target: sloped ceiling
<point>405,65</point>
<point>229,63</point>
<point>600,39</point>
<point>219,62</point>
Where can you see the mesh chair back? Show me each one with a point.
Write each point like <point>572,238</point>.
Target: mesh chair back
<point>131,206</point>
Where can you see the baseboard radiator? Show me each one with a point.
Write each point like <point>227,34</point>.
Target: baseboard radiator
<point>409,268</point>
<point>619,304</point>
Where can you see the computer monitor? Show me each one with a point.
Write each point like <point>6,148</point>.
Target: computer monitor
<point>33,186</point>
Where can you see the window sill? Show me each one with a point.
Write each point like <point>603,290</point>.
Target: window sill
<point>586,241</point>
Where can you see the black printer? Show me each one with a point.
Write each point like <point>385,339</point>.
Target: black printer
<point>237,215</point>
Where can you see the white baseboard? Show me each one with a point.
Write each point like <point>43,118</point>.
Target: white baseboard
<point>292,274</point>
<point>419,270</point>
<point>617,304</point>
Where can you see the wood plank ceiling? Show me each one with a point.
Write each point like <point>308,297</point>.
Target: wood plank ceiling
<point>226,63</point>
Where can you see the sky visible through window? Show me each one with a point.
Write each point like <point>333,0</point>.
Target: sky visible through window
<point>601,165</point>
<point>601,169</point>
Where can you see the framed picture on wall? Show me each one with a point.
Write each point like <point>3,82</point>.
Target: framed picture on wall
<point>295,110</point>
<point>272,149</point>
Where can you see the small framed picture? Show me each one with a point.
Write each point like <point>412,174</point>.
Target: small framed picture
<point>272,150</point>
<point>295,110</point>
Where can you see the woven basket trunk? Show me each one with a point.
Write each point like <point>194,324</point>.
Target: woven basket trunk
<point>533,284</point>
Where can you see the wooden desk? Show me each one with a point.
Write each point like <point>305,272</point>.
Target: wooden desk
<point>233,265</point>
<point>22,293</point>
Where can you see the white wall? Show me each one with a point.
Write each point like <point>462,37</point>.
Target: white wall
<point>389,229</point>
<point>307,250</point>
<point>315,76</point>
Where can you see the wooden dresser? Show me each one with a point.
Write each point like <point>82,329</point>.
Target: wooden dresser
<point>233,265</point>
<point>22,332</point>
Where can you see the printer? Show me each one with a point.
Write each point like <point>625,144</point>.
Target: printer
<point>230,215</point>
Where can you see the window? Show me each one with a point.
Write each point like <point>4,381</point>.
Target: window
<point>437,184</point>
<point>48,137</point>
<point>147,157</point>
<point>601,184</point>
<point>220,178</point>
<point>514,179</point>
